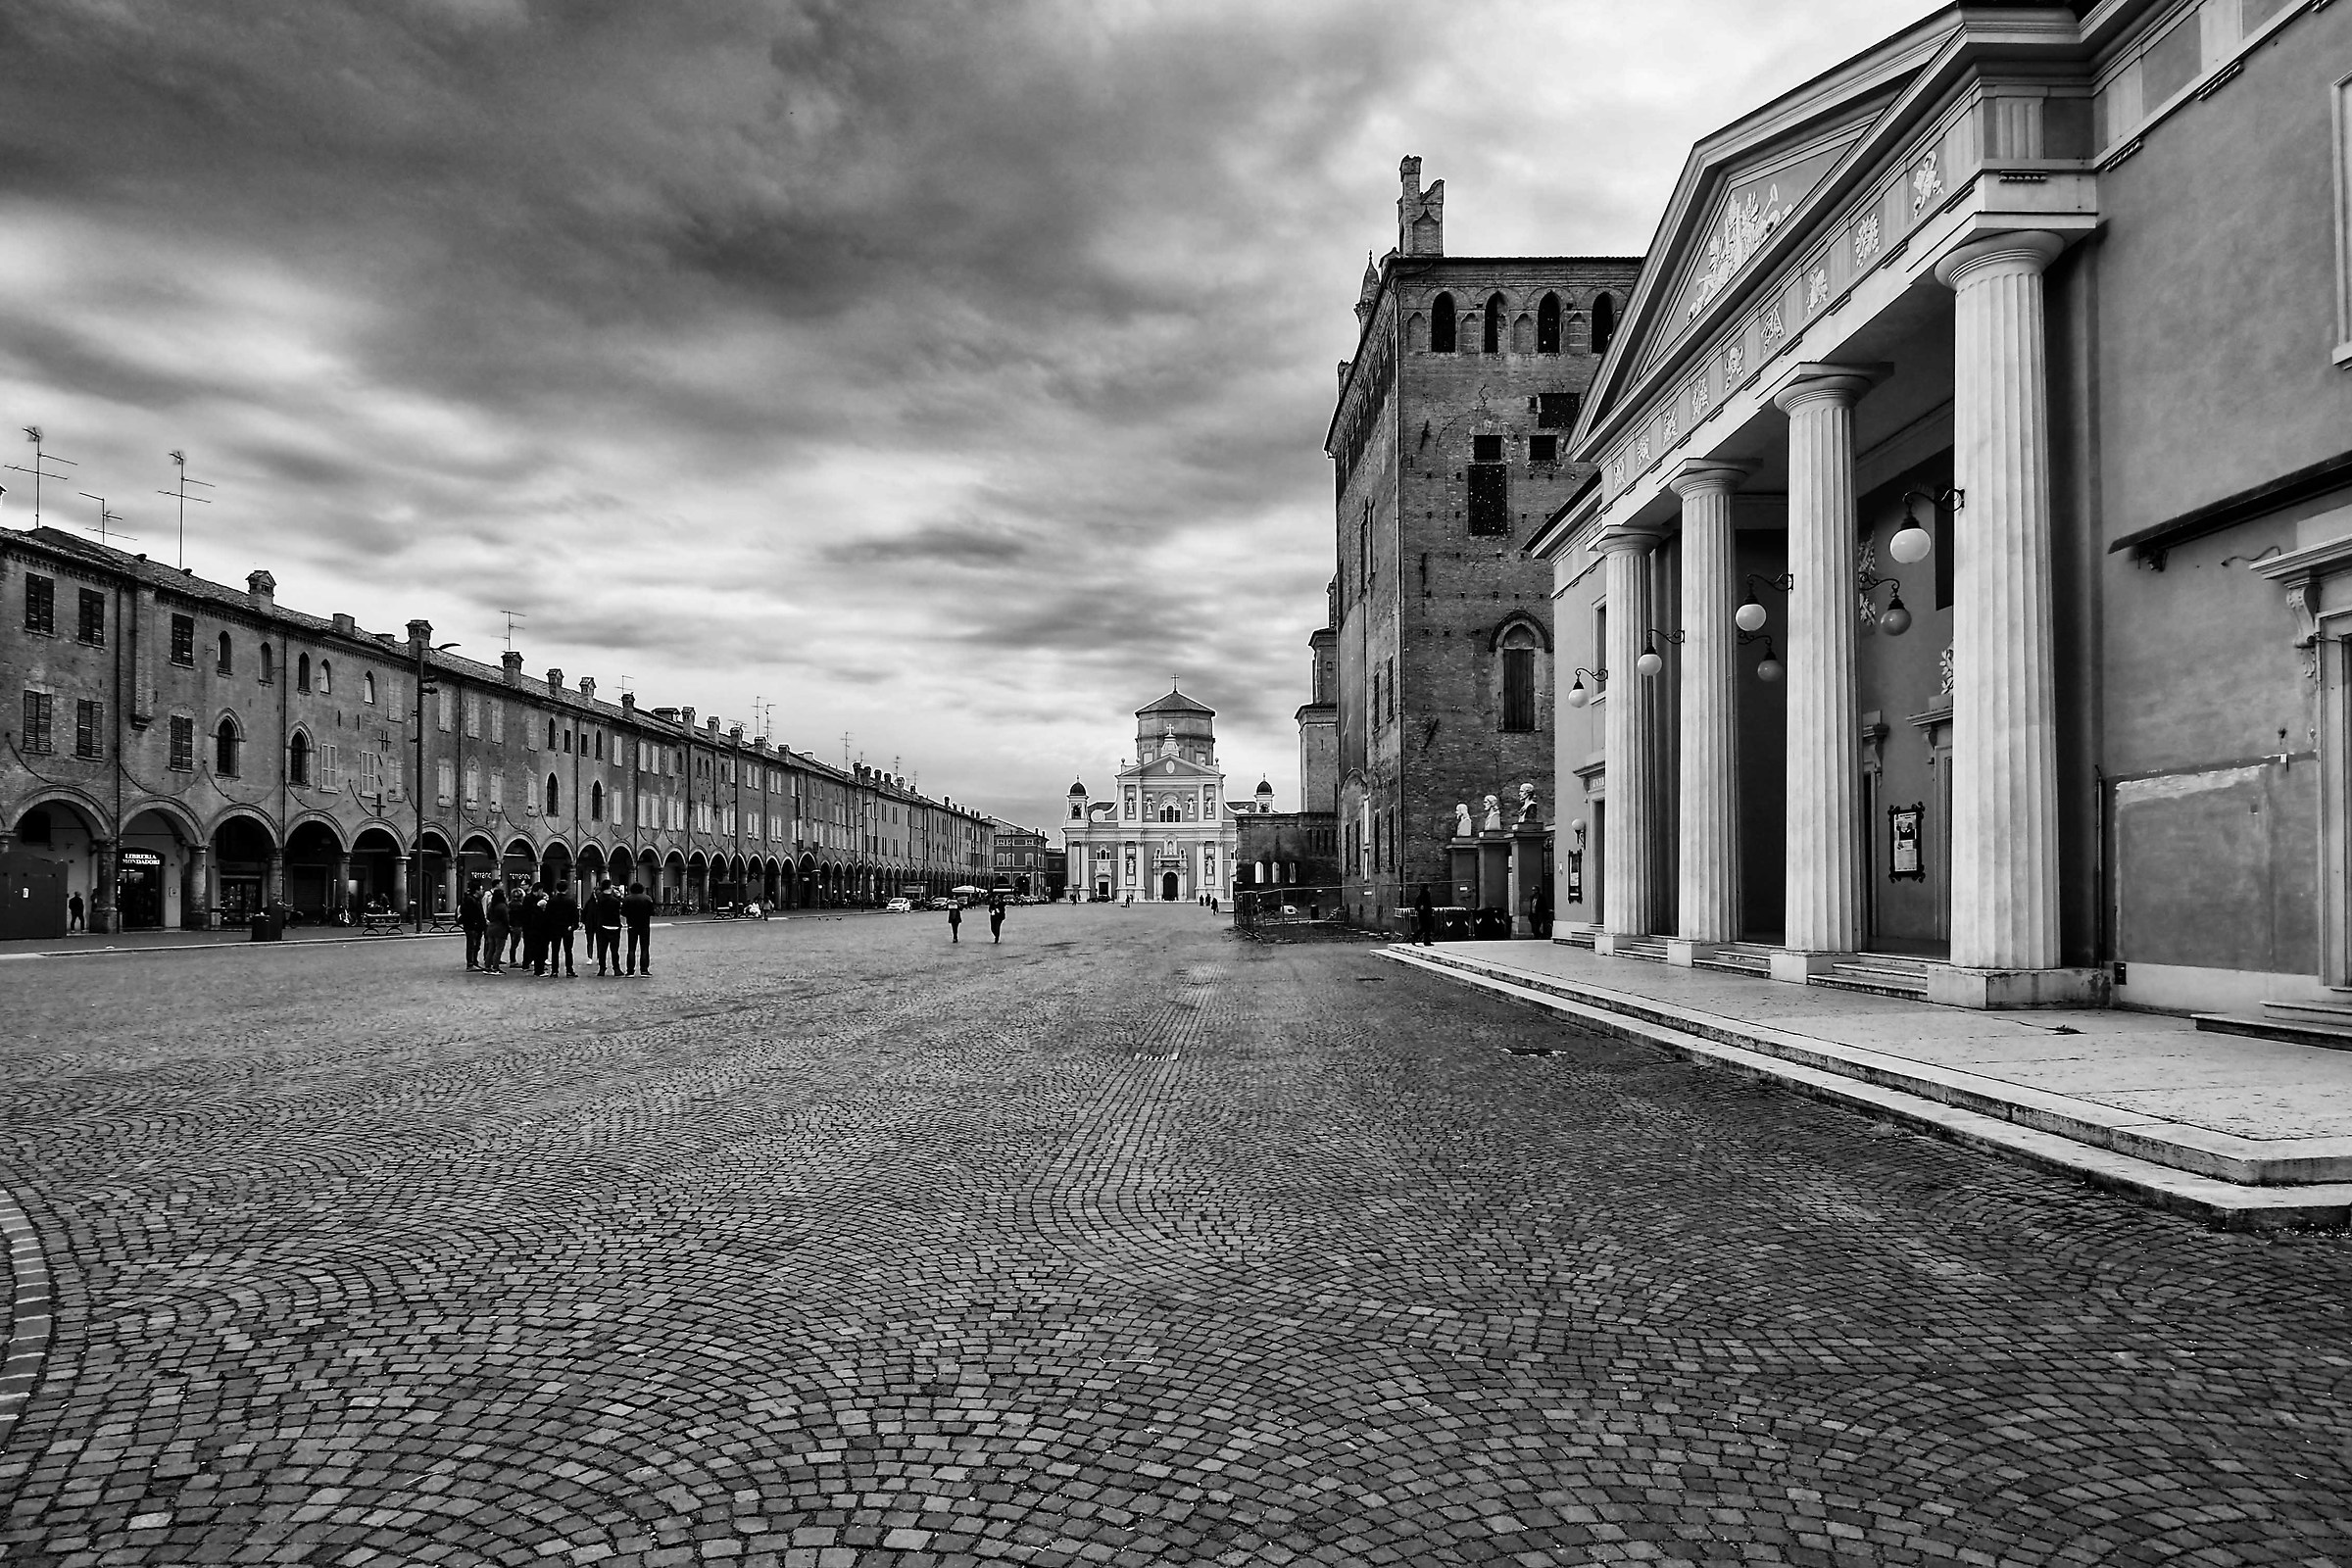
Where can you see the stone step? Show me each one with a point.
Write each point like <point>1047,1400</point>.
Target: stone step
<point>1729,962</point>
<point>2338,1014</point>
<point>1904,987</point>
<point>1647,950</point>
<point>2333,1037</point>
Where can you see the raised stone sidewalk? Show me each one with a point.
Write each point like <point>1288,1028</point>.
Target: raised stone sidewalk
<point>2242,1132</point>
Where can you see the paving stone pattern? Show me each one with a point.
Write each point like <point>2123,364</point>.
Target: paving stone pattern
<point>1123,1243</point>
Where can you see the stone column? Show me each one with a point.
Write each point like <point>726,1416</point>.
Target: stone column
<point>1707,905</point>
<point>273,883</point>
<point>104,888</point>
<point>338,896</point>
<point>204,889</point>
<point>1630,901</point>
<point>449,883</point>
<point>1824,909</point>
<point>399,885</point>
<point>2004,735</point>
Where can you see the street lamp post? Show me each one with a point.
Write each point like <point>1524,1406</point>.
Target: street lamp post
<point>420,637</point>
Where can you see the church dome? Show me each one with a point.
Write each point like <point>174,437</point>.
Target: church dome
<point>1078,788</point>
<point>1265,788</point>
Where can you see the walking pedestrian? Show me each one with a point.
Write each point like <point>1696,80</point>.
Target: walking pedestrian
<point>534,930</point>
<point>1425,920</point>
<point>1541,920</point>
<point>470,917</point>
<point>73,905</point>
<point>494,924</point>
<point>517,904</point>
<point>954,922</point>
<point>996,919</point>
<point>637,913</point>
<point>604,929</point>
<point>563,919</point>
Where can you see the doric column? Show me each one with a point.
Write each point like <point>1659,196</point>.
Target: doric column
<point>273,885</point>
<point>1630,890</point>
<point>400,884</point>
<point>204,890</point>
<point>1824,833</point>
<point>338,896</point>
<point>2004,743</point>
<point>1707,909</point>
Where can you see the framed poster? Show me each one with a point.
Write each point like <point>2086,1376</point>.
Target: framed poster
<point>1576,878</point>
<point>1904,861</point>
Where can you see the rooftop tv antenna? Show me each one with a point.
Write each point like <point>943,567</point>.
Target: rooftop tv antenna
<point>106,515</point>
<point>845,751</point>
<point>40,469</point>
<point>179,491</point>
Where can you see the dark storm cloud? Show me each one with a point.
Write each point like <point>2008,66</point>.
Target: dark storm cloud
<point>954,373</point>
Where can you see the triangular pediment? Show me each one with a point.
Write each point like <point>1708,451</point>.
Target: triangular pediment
<point>1171,769</point>
<point>1749,193</point>
<point>1752,201</point>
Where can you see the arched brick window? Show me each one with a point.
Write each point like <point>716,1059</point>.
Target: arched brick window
<point>1604,323</point>
<point>1440,325</point>
<point>1494,325</point>
<point>302,673</point>
<point>1548,325</point>
<point>228,746</point>
<point>596,802</point>
<point>555,795</point>
<point>298,758</point>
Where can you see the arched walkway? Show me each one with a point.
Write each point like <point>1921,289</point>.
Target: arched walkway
<point>54,857</point>
<point>478,866</point>
<point>520,866</point>
<point>554,863</point>
<point>154,865</point>
<point>314,862</point>
<point>242,850</point>
<point>379,872</point>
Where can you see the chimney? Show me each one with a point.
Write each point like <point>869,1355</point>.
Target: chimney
<point>262,588</point>
<point>629,703</point>
<point>686,716</point>
<point>1420,214</point>
<point>711,723</point>
<point>420,632</point>
<point>555,683</point>
<point>734,731</point>
<point>668,715</point>
<point>513,663</point>
<point>587,685</point>
<point>345,627</point>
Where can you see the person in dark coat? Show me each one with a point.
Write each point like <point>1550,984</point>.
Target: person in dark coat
<point>954,922</point>
<point>563,919</point>
<point>534,930</point>
<point>604,929</point>
<point>494,925</point>
<point>996,919</point>
<point>1425,920</point>
<point>73,912</point>
<point>470,917</point>
<point>1539,918</point>
<point>637,913</point>
<point>517,906</point>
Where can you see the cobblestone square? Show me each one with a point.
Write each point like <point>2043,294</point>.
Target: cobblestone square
<point>835,1244</point>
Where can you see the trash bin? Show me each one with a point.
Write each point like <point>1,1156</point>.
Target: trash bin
<point>268,927</point>
<point>1492,925</point>
<point>1454,923</point>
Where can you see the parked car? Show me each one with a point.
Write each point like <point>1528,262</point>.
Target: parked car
<point>899,907</point>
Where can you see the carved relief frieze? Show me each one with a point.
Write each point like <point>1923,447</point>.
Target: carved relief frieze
<point>1734,362</point>
<point>1775,328</point>
<point>1943,673</point>
<point>1746,223</point>
<point>1927,182</point>
<point>1866,240</point>
<point>1817,288</point>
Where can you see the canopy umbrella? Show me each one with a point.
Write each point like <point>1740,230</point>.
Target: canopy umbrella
<point>967,887</point>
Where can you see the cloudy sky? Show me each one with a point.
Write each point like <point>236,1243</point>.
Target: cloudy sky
<point>947,374</point>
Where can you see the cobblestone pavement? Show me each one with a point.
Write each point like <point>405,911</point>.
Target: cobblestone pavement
<point>1121,1244</point>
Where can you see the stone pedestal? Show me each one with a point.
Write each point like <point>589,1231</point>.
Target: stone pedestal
<point>1527,875</point>
<point>1494,869</point>
<point>1462,856</point>
<point>1683,953</point>
<point>1707,905</point>
<point>1824,904</point>
<point>1630,897</point>
<point>2004,706</point>
<point>2020,988</point>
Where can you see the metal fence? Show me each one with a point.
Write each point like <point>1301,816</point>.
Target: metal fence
<point>1292,914</point>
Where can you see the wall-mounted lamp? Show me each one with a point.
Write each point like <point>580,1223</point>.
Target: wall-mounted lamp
<point>1651,660</point>
<point>1750,617</point>
<point>1768,670</point>
<point>1913,542</point>
<point>1577,827</point>
<point>1578,693</point>
<point>1894,620</point>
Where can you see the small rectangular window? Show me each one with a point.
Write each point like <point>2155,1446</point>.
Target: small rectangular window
<point>1489,498</point>
<point>183,744</point>
<point>473,715</point>
<point>92,628</point>
<point>40,604</point>
<point>497,723</point>
<point>1486,448</point>
<point>1556,410</point>
<point>183,641</point>
<point>88,736</point>
<point>1543,449</point>
<point>36,723</point>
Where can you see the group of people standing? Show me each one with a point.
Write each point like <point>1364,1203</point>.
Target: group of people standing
<point>537,927</point>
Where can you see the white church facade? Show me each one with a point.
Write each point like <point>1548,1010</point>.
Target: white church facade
<point>1163,833</point>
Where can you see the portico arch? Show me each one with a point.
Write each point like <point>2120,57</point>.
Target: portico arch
<point>243,847</point>
<point>58,839</point>
<point>315,855</point>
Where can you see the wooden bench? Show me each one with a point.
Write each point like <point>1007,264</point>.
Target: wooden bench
<point>385,924</point>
